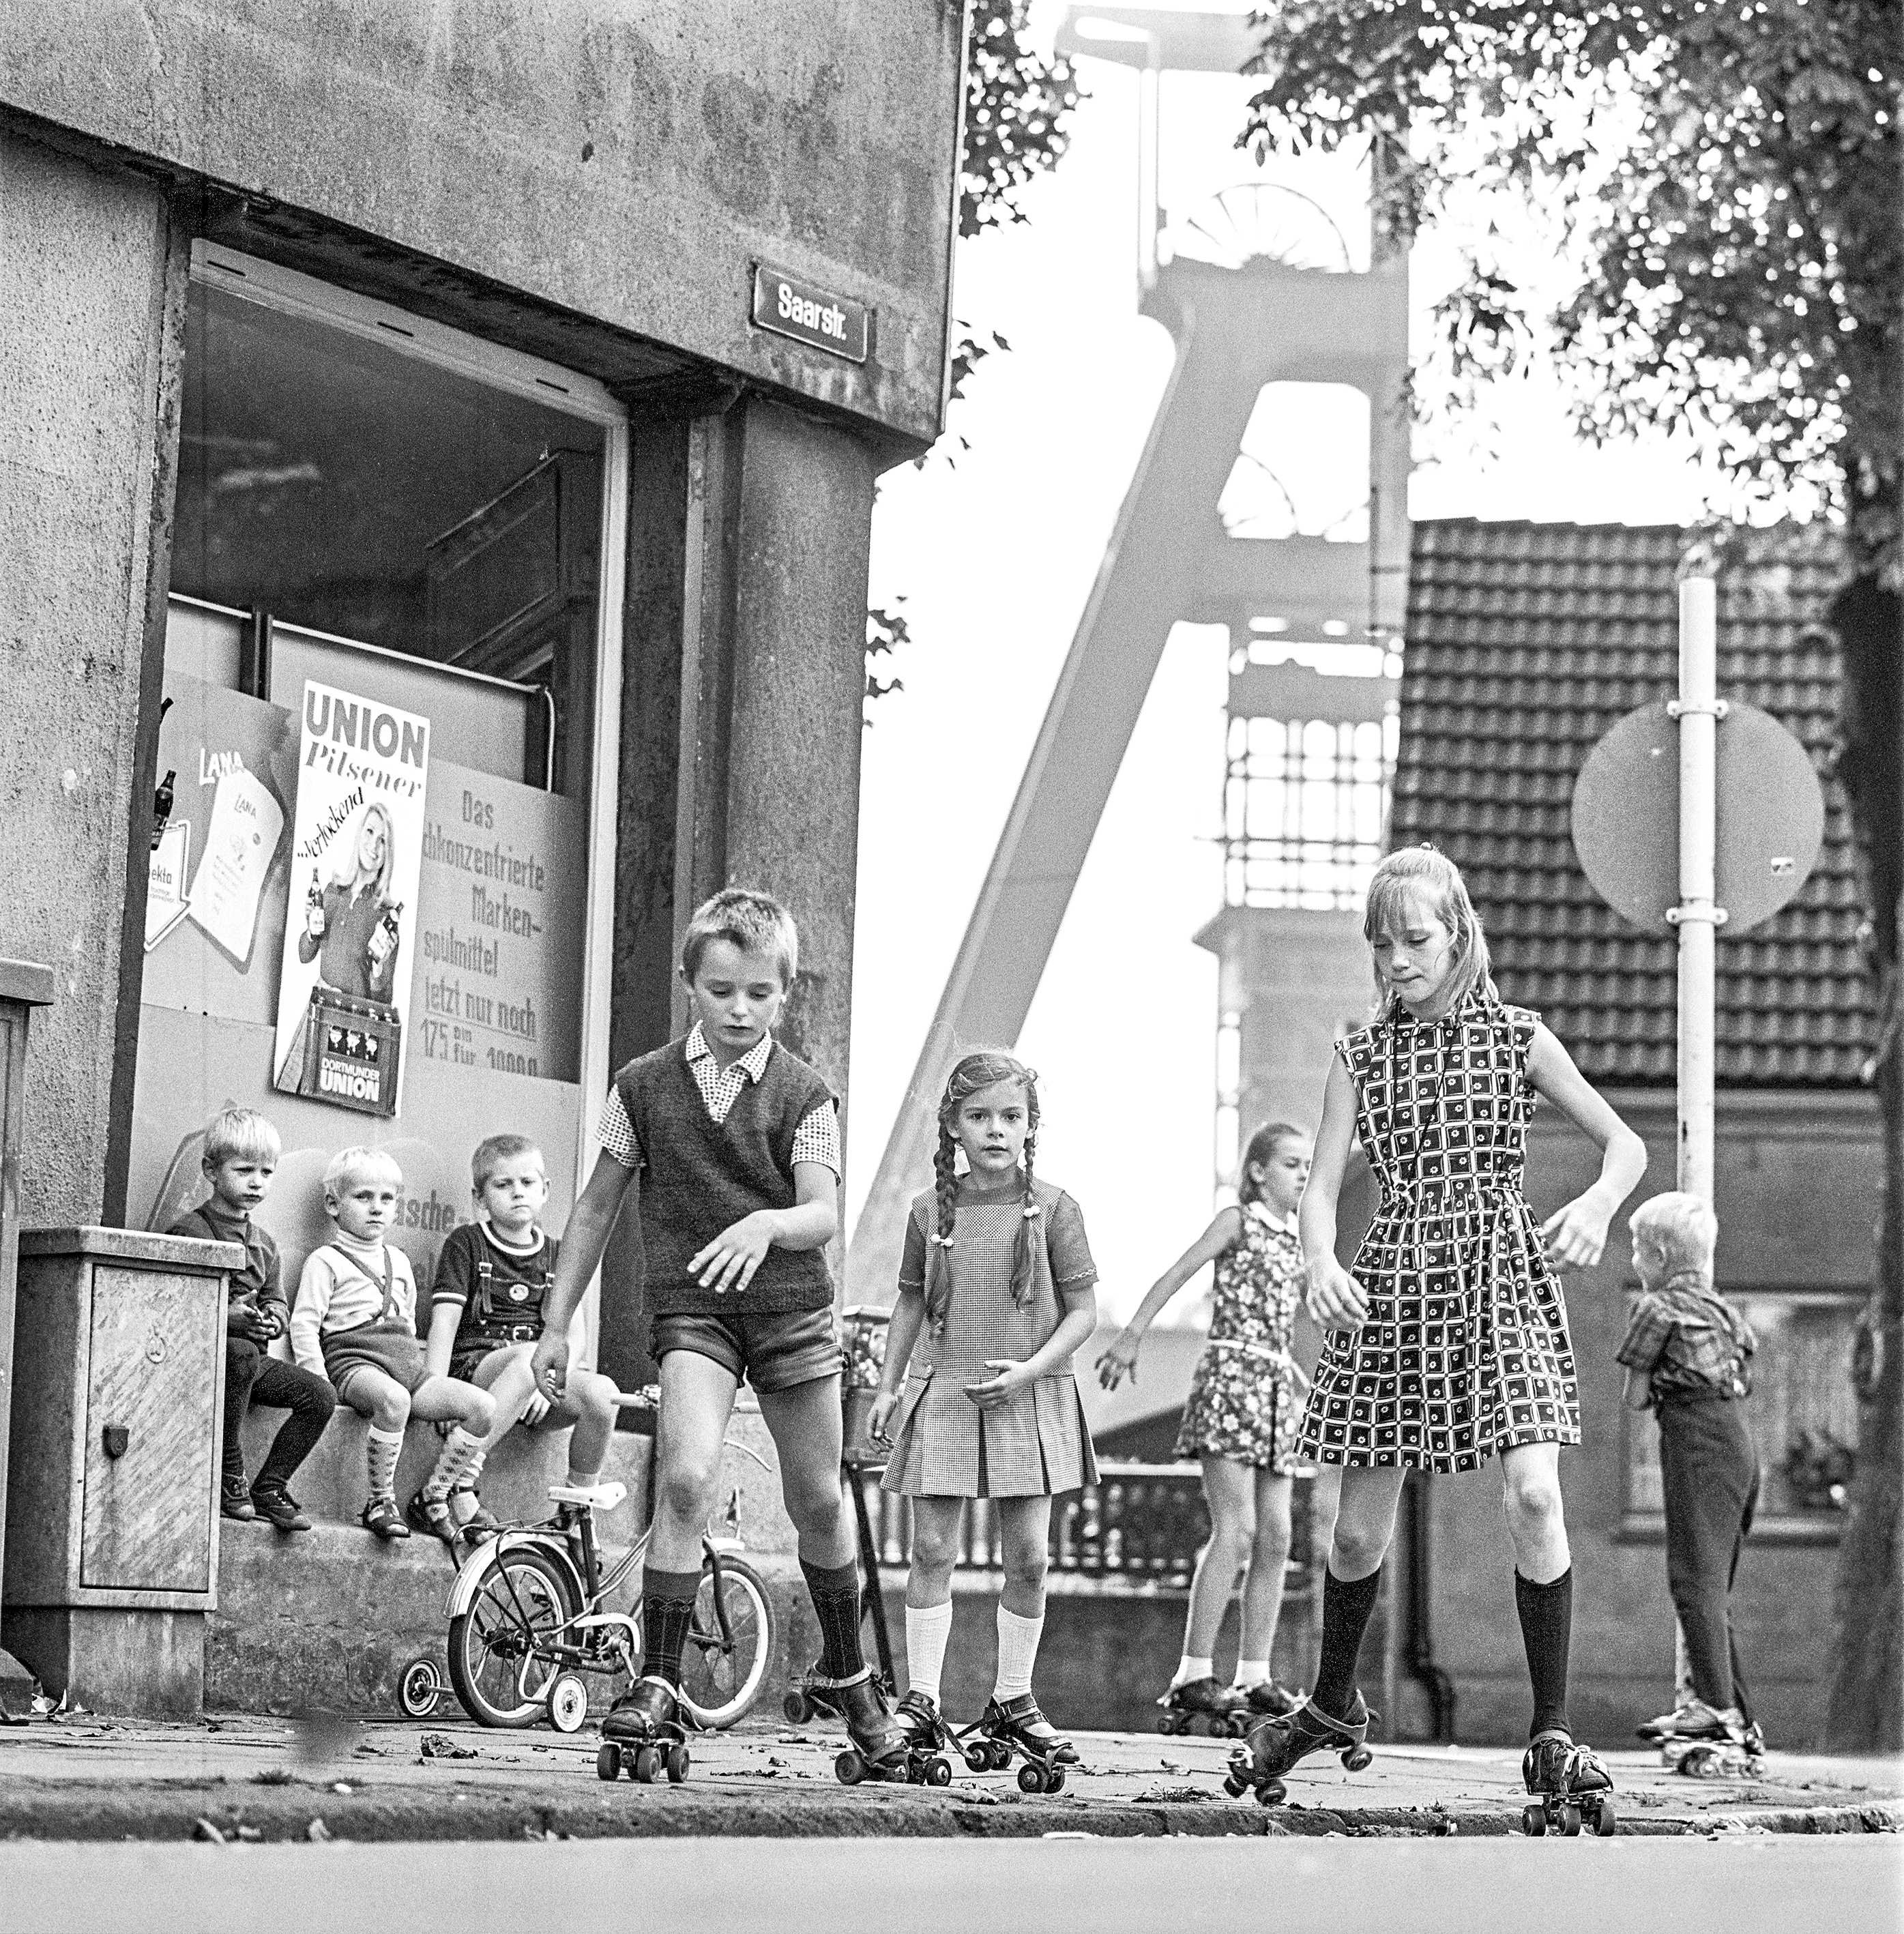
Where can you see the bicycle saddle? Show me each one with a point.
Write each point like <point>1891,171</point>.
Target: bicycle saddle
<point>597,1497</point>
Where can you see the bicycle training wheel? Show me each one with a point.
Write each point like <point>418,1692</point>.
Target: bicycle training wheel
<point>501,1656</point>
<point>725,1659</point>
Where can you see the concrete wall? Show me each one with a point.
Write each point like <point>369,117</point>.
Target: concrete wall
<point>91,300</point>
<point>1796,1179</point>
<point>624,164</point>
<point>1297,978</point>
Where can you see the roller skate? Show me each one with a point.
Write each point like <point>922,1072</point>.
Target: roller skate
<point>1269,1700</point>
<point>1705,1741</point>
<point>642,1735</point>
<point>1276,1745</point>
<point>928,1740</point>
<point>1204,1705</point>
<point>880,1748</point>
<point>1015,1726</point>
<point>813,1696</point>
<point>1571,1784</point>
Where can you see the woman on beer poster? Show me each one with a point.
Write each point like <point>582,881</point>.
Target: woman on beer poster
<point>351,925</point>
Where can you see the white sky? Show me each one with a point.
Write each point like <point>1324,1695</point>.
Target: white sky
<point>994,554</point>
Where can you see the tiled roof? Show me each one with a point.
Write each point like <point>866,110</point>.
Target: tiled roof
<point>1524,642</point>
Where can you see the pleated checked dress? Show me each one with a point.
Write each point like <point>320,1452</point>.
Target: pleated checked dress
<point>1465,1352</point>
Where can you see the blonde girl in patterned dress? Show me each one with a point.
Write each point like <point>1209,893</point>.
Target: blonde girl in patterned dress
<point>1245,1406</point>
<point>977,1399</point>
<point>1447,1343</point>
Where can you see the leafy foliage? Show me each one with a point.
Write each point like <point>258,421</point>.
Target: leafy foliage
<point>1017,103</point>
<point>1725,180</point>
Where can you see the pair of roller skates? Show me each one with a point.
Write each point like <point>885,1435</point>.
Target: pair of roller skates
<point>1571,1786</point>
<point>1014,1728</point>
<point>1705,1741</point>
<point>1277,1745</point>
<point>879,1749</point>
<point>642,1735</point>
<point>1208,1706</point>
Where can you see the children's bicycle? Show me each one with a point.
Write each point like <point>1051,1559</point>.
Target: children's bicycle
<point>533,1618</point>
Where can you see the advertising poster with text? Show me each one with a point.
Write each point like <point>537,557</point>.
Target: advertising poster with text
<point>356,854</point>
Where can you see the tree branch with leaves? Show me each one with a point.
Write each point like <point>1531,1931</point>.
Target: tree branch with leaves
<point>1724,186</point>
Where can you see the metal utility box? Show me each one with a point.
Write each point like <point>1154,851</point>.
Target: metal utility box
<point>111,1559</point>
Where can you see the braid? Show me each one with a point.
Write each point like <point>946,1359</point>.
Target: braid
<point>1029,1226</point>
<point>939,1255</point>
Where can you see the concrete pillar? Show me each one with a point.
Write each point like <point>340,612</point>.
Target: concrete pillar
<point>744,673</point>
<point>93,273</point>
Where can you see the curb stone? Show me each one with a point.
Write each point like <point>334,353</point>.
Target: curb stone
<point>172,1810</point>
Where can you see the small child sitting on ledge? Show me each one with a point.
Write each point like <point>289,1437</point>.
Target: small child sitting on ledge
<point>355,1320</point>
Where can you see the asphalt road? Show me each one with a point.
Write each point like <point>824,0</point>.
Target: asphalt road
<point>1738,1882</point>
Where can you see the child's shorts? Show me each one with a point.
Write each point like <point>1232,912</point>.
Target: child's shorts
<point>774,1350</point>
<point>374,1346</point>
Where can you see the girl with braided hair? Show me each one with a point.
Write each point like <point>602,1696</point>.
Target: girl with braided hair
<point>977,1399</point>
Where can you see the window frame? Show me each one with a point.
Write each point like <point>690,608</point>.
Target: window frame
<point>289,292</point>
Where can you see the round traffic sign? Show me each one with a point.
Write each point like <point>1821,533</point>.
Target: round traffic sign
<point>1626,817</point>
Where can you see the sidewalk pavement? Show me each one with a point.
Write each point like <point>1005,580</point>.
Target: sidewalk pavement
<point>81,1777</point>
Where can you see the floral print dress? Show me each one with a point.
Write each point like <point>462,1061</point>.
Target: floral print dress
<point>1246,1399</point>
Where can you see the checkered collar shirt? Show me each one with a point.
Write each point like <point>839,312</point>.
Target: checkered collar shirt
<point>720,1087</point>
<point>1688,1341</point>
<point>816,1140</point>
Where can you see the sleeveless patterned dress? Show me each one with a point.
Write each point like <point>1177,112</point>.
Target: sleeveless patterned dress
<point>1246,1399</point>
<point>1465,1352</point>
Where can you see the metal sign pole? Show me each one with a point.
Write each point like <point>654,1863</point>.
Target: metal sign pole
<point>1698,710</point>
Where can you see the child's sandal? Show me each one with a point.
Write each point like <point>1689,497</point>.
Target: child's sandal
<point>481,1522</point>
<point>433,1517</point>
<point>380,1515</point>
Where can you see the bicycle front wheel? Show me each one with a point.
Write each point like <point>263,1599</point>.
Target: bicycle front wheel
<point>502,1649</point>
<point>725,1660</point>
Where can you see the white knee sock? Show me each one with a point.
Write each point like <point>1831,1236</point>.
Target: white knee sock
<point>1188,1668</point>
<point>926,1633</point>
<point>1017,1653</point>
<point>451,1462</point>
<point>581,1480</point>
<point>381,1454</point>
<point>1253,1672</point>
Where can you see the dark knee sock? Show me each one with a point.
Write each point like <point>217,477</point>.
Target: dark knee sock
<point>835,1590</point>
<point>1346,1606</point>
<point>667,1610</point>
<point>1547,1629</point>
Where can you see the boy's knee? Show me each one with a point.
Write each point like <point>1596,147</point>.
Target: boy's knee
<point>686,1490</point>
<point>242,1356</point>
<point>389,1409</point>
<point>479,1412</point>
<point>813,1504</point>
<point>598,1399</point>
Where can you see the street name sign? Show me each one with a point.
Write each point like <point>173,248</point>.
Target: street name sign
<point>815,316</point>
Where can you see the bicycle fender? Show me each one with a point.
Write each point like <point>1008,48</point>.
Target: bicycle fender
<point>463,1587</point>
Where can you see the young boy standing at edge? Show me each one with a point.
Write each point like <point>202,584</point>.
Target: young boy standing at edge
<point>492,1278</point>
<point>737,1144</point>
<point>241,1153</point>
<point>1685,1354</point>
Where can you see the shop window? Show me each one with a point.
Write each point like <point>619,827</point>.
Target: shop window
<point>1803,1416</point>
<point>393,611</point>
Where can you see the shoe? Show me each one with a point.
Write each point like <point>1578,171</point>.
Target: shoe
<point>235,1499</point>
<point>1695,1720</point>
<point>380,1515</point>
<point>433,1517</point>
<point>648,1710</point>
<point>924,1725</point>
<point>482,1524</point>
<point>879,1739</point>
<point>1201,1705</point>
<point>1268,1699</point>
<point>275,1502</point>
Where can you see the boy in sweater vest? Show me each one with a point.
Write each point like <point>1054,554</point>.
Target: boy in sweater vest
<point>736,1144</point>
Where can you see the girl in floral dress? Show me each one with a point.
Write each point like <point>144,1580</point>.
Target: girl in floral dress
<point>1246,1406</point>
